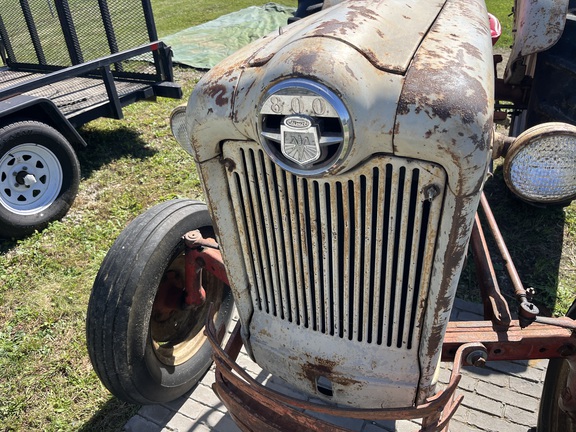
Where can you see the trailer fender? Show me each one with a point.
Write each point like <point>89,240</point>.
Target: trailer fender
<point>24,107</point>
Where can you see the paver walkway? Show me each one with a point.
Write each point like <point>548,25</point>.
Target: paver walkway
<point>503,397</point>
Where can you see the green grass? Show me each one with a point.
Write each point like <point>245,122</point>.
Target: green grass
<point>46,380</point>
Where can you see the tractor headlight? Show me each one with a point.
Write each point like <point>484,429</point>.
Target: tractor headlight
<point>540,166</point>
<point>178,126</point>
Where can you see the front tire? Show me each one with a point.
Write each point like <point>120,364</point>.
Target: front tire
<point>39,177</point>
<point>141,354</point>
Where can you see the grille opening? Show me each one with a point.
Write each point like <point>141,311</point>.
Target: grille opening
<point>324,386</point>
<point>419,268</point>
<point>349,256</point>
<point>408,252</point>
<point>395,254</point>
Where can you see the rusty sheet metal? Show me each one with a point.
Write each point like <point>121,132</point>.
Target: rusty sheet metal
<point>399,24</point>
<point>256,408</point>
<point>538,25</point>
<point>445,115</point>
<point>445,109</point>
<point>537,341</point>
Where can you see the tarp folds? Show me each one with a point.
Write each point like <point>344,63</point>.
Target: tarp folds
<point>205,45</point>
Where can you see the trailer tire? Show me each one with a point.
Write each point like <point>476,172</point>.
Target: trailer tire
<point>550,417</point>
<point>39,177</point>
<point>134,349</point>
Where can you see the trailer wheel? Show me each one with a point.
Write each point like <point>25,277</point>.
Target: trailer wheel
<point>142,354</point>
<point>39,177</point>
<point>550,417</point>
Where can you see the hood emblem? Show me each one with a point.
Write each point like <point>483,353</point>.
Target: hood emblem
<point>299,140</point>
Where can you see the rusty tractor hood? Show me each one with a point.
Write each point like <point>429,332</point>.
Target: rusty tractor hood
<point>415,75</point>
<point>400,26</point>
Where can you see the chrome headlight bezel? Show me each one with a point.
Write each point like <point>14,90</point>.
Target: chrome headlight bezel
<point>540,166</point>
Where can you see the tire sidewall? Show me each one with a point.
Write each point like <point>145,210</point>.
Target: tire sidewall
<point>154,379</point>
<point>40,134</point>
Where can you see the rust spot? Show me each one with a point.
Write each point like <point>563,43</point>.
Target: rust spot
<point>218,92</point>
<point>306,64</point>
<point>325,368</point>
<point>444,85</point>
<point>263,332</point>
<point>472,50</point>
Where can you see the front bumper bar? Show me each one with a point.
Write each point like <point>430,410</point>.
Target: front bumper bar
<point>256,408</point>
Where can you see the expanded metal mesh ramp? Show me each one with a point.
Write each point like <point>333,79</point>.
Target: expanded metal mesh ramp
<point>90,58</point>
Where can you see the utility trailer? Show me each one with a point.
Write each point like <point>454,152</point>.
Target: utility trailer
<point>65,63</point>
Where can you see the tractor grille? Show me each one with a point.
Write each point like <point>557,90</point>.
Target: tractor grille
<point>350,255</point>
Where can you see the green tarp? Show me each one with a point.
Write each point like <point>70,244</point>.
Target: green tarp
<point>205,45</point>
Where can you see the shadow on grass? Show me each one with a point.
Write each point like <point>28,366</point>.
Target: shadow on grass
<point>111,417</point>
<point>534,237</point>
<point>105,146</point>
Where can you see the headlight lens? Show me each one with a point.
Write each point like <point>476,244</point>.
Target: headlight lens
<point>178,126</point>
<point>540,166</point>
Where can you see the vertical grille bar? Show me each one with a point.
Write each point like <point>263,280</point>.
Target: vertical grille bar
<point>335,269</point>
<point>306,251</point>
<point>412,257</point>
<point>349,256</point>
<point>357,260</point>
<point>348,265</point>
<point>286,205</point>
<point>390,275</point>
<point>244,216</point>
<point>299,271</point>
<point>274,229</point>
<point>368,287</point>
<point>379,245</point>
<point>400,244</point>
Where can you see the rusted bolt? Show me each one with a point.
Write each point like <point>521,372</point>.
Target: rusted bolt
<point>192,238</point>
<point>229,164</point>
<point>477,358</point>
<point>431,192</point>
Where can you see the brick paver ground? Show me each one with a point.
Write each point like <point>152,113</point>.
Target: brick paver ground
<point>503,397</point>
